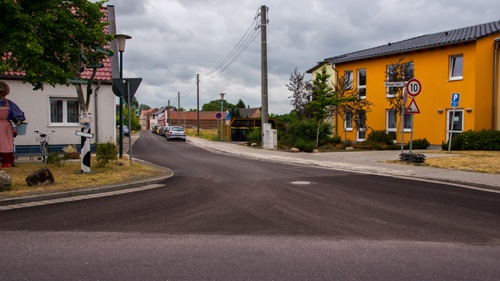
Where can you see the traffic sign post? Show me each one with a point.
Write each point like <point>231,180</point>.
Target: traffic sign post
<point>455,99</point>
<point>413,87</point>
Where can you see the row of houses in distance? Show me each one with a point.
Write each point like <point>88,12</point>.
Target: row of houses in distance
<point>463,61</point>
<point>189,119</point>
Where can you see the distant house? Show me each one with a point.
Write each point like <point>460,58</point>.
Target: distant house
<point>460,64</point>
<point>250,112</point>
<point>56,108</point>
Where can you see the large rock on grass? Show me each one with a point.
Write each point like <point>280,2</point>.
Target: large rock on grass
<point>5,181</point>
<point>41,177</point>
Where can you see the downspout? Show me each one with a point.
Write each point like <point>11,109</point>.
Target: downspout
<point>495,84</point>
<point>96,102</point>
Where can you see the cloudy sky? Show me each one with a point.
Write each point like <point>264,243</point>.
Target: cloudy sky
<point>173,40</point>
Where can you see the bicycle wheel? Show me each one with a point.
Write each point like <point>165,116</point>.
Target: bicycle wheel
<point>45,150</point>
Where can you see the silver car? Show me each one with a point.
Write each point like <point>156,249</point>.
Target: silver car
<point>176,132</point>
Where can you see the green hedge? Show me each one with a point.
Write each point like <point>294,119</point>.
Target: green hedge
<point>475,140</point>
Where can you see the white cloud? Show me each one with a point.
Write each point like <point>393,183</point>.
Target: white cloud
<point>173,40</point>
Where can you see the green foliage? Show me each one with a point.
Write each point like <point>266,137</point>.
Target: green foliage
<point>134,120</point>
<point>380,136</point>
<point>105,152</point>
<point>475,140</point>
<point>304,145</point>
<point>254,136</point>
<point>55,159</point>
<point>46,38</point>
<point>420,144</point>
<point>305,131</point>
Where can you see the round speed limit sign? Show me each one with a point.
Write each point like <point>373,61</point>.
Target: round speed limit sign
<point>413,87</point>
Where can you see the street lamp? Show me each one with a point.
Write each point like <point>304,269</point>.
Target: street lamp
<point>120,41</point>
<point>221,114</point>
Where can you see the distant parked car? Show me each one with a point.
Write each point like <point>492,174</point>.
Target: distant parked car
<point>164,130</point>
<point>176,132</point>
<point>126,131</point>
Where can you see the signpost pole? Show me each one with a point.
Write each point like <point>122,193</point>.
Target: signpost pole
<point>403,121</point>
<point>129,124</point>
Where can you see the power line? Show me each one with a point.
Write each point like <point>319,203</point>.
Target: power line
<point>238,49</point>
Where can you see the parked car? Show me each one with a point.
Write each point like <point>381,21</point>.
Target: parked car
<point>164,130</point>
<point>126,131</point>
<point>176,132</point>
<point>154,128</point>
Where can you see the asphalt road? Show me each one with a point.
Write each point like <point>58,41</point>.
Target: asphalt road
<point>228,218</point>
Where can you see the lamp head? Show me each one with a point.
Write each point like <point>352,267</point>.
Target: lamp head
<point>120,40</point>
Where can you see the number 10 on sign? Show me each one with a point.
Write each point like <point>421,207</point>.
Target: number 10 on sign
<point>413,87</point>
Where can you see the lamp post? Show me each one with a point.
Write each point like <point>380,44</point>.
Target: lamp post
<point>120,40</point>
<point>221,114</point>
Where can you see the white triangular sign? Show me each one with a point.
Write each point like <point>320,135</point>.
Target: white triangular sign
<point>412,108</point>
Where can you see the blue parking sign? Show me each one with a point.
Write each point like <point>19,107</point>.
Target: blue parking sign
<point>455,98</point>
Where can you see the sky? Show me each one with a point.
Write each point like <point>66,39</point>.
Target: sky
<point>174,40</point>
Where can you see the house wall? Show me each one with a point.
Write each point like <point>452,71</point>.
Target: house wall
<point>431,67</point>
<point>36,107</point>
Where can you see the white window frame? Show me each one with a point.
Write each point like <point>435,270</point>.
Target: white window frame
<point>389,79</point>
<point>361,130</point>
<point>405,77</point>
<point>350,79</point>
<point>358,80</point>
<point>64,108</point>
<point>407,124</point>
<point>449,112</point>
<point>453,67</point>
<point>348,120</point>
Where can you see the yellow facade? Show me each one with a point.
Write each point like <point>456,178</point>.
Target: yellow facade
<point>477,108</point>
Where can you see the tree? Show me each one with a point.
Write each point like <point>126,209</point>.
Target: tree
<point>351,103</point>
<point>51,41</point>
<point>240,104</point>
<point>301,93</point>
<point>398,72</point>
<point>325,99</point>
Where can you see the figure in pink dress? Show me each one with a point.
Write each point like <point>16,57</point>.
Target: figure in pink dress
<point>9,112</point>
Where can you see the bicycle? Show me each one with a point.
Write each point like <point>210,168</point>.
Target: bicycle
<point>43,139</point>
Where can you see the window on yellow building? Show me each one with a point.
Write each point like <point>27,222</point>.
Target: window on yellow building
<point>361,83</point>
<point>456,67</point>
<point>348,121</point>
<point>391,121</point>
<point>348,79</point>
<point>393,75</point>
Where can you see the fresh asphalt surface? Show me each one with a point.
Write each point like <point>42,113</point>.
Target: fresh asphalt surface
<point>230,218</point>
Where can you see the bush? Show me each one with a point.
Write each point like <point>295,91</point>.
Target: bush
<point>55,159</point>
<point>105,152</point>
<point>307,146</point>
<point>305,131</point>
<point>475,140</point>
<point>380,136</point>
<point>254,136</point>
<point>421,144</point>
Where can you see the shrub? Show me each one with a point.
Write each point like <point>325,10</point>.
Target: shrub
<point>55,159</point>
<point>420,144</point>
<point>307,146</point>
<point>475,140</point>
<point>305,131</point>
<point>254,136</point>
<point>105,152</point>
<point>380,136</point>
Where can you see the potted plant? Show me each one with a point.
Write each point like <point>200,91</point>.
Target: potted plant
<point>70,152</point>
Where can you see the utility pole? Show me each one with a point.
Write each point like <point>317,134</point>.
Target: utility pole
<point>179,107</point>
<point>263,33</point>
<point>197,104</point>
<point>168,114</point>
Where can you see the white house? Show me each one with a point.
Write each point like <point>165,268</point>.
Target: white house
<point>56,108</point>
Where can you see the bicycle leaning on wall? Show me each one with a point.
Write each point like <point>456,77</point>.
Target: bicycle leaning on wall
<point>43,139</point>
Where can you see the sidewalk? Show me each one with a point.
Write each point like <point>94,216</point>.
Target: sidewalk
<point>370,162</point>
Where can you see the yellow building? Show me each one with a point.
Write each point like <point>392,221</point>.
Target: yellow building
<point>461,63</point>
